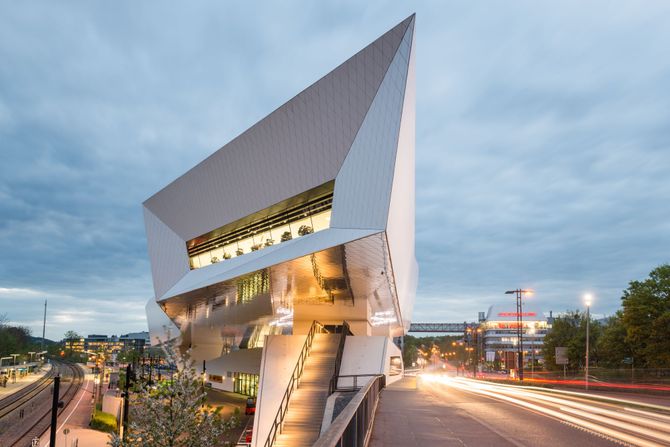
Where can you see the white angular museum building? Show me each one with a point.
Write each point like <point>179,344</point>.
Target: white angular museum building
<point>301,225</point>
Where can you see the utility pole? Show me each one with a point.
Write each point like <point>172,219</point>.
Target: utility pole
<point>519,326</point>
<point>44,324</point>
<point>126,398</point>
<point>54,412</point>
<point>587,301</point>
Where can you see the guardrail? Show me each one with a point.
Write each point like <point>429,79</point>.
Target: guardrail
<point>353,426</point>
<point>346,330</point>
<point>315,328</point>
<point>354,381</point>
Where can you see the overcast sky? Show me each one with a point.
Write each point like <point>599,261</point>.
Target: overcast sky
<point>543,141</point>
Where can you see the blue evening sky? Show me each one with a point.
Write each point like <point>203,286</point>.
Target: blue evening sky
<point>543,140</point>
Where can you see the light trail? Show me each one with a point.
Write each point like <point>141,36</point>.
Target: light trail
<point>609,417</point>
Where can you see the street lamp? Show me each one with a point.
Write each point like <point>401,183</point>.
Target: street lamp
<point>588,298</point>
<point>519,325</point>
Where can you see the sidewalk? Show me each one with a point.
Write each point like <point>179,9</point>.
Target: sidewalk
<point>75,418</point>
<point>23,382</point>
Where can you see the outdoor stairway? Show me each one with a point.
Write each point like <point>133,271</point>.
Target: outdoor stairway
<point>302,422</point>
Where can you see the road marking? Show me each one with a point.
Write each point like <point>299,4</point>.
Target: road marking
<point>83,392</point>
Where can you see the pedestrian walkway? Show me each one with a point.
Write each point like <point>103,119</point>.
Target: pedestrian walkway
<point>22,382</point>
<point>73,428</point>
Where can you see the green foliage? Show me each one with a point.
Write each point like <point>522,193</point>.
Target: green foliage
<point>14,339</point>
<point>641,329</point>
<point>103,422</point>
<point>128,356</point>
<point>413,346</point>
<point>569,331</point>
<point>646,318</point>
<point>613,345</point>
<point>174,413</point>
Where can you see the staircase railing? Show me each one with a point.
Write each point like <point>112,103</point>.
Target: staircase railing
<point>353,426</point>
<point>315,328</point>
<point>346,330</point>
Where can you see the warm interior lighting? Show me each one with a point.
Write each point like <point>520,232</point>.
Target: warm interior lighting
<point>298,216</point>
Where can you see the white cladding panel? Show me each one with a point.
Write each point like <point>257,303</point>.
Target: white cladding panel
<point>280,356</point>
<point>167,253</point>
<point>400,227</point>
<point>297,147</point>
<point>363,185</point>
<point>161,328</point>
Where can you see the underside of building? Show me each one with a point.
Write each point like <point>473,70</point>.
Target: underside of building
<point>292,247</point>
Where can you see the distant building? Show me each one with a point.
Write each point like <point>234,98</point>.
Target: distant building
<point>137,341</point>
<point>500,340</point>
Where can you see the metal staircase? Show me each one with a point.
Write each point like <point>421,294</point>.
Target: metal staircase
<point>302,422</point>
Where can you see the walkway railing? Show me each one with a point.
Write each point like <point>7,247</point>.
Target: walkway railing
<point>353,426</point>
<point>295,378</point>
<point>346,330</point>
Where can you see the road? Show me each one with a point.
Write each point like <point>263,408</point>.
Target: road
<point>450,411</point>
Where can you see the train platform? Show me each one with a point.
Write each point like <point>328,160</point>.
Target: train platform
<point>22,382</point>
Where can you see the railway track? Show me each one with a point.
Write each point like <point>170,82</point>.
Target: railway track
<point>36,404</point>
<point>16,400</point>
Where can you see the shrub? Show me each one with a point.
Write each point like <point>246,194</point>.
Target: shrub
<point>103,421</point>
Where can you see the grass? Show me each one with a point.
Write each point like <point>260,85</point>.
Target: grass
<point>103,421</point>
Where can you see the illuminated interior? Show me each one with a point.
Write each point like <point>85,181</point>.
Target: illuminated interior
<point>298,216</point>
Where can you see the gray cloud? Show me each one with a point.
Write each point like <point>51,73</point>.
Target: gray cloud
<point>542,141</point>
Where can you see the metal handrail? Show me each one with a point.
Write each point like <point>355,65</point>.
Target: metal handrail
<point>292,383</point>
<point>346,330</point>
<point>353,426</point>
<point>354,383</point>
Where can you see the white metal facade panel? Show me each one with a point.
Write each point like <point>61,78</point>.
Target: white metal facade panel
<point>363,185</point>
<point>400,227</point>
<point>161,328</point>
<point>299,146</point>
<point>167,253</point>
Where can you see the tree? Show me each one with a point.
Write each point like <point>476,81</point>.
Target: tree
<point>13,339</point>
<point>70,338</point>
<point>569,331</point>
<point>613,346</point>
<point>646,317</point>
<point>175,413</point>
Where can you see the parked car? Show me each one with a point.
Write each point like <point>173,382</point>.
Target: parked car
<point>251,406</point>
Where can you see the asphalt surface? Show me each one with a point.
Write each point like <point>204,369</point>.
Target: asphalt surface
<point>461,412</point>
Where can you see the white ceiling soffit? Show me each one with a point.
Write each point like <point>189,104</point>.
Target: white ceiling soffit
<point>269,256</point>
<point>297,147</point>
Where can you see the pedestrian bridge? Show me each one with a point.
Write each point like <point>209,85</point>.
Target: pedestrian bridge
<point>452,328</point>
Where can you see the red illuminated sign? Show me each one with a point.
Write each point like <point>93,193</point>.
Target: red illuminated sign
<point>516,314</point>
<point>511,325</point>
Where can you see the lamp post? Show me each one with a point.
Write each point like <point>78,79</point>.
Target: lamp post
<point>519,325</point>
<point>588,298</point>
